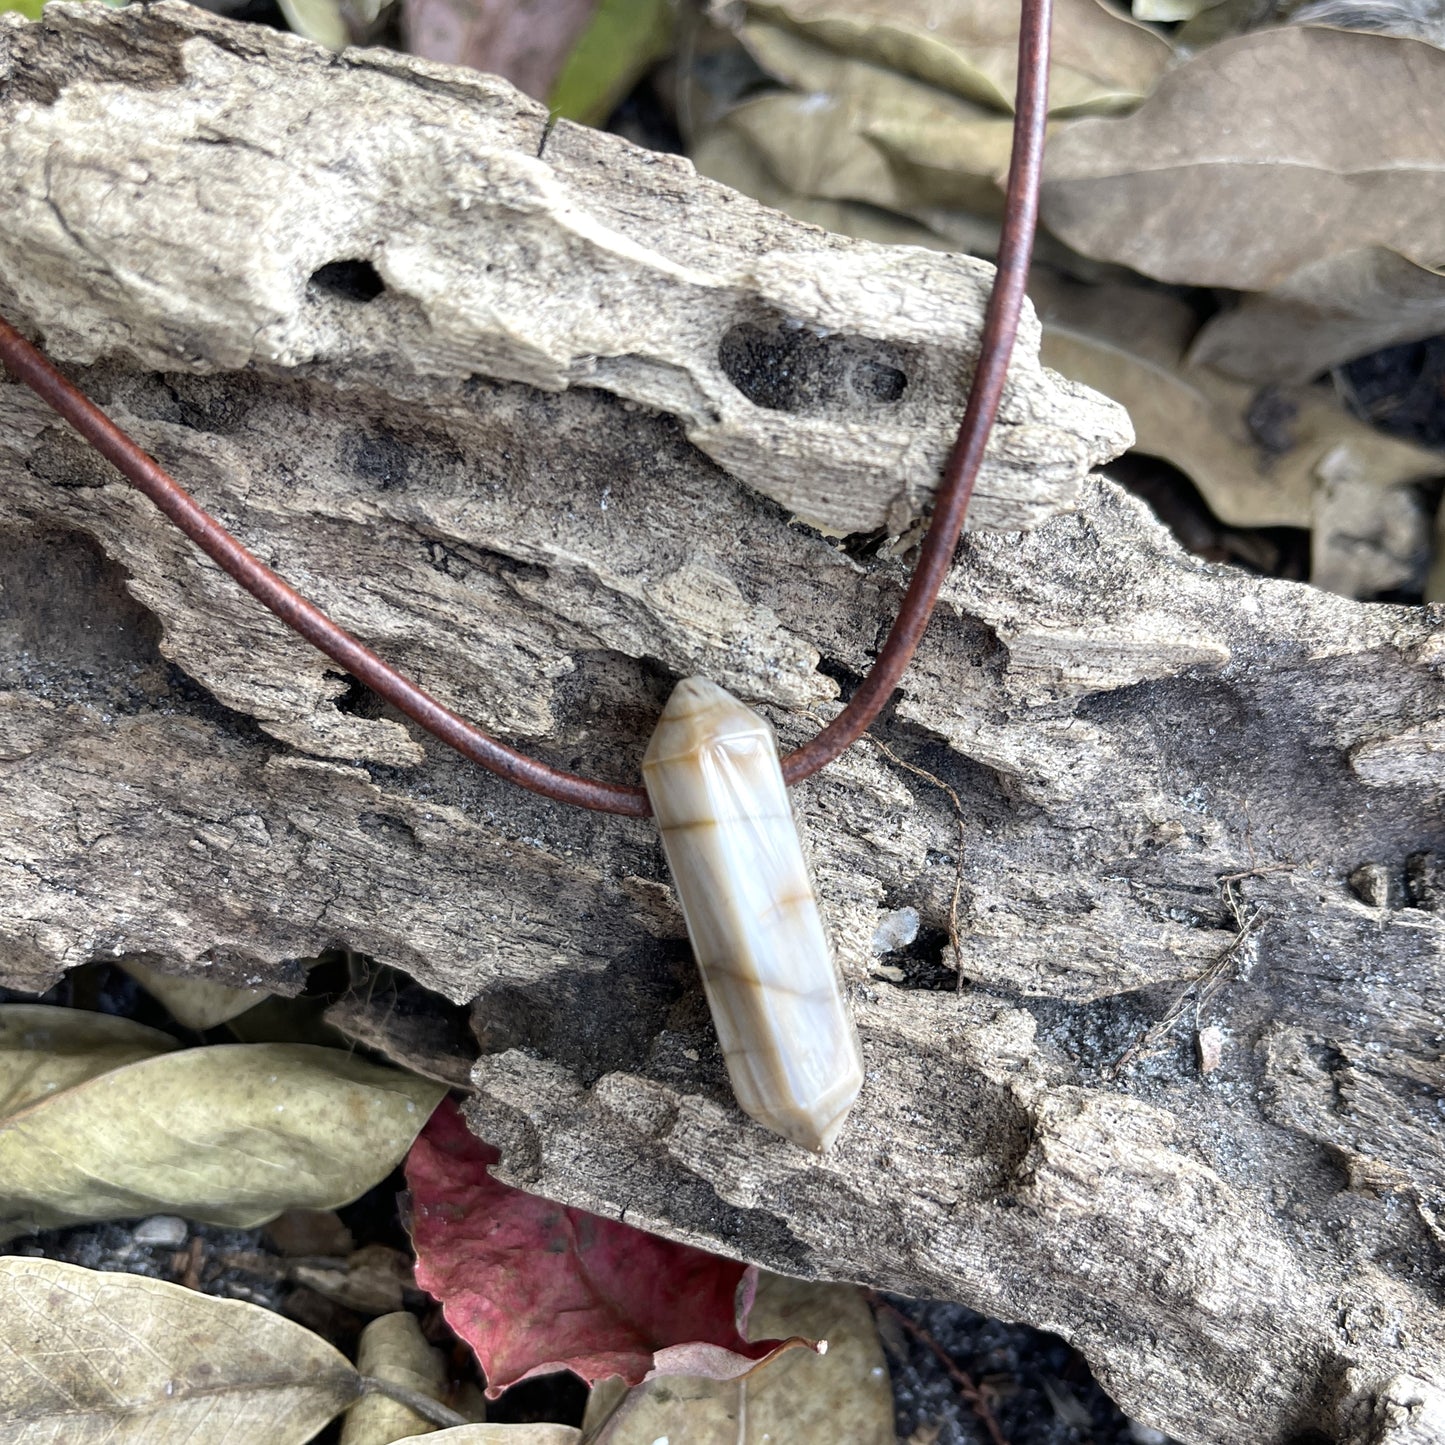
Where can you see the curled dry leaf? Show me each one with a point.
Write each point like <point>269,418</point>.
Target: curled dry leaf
<point>231,1134</point>
<point>372,1280</point>
<point>727,156</point>
<point>535,1287</point>
<point>1101,60</point>
<point>843,1397</point>
<point>393,1349</point>
<point>91,1358</point>
<point>1342,307</point>
<point>852,130</point>
<point>1260,157</point>
<point>45,1049</point>
<point>1289,457</point>
<point>198,1003</point>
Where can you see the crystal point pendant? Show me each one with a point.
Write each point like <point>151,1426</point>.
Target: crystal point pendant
<point>712,773</point>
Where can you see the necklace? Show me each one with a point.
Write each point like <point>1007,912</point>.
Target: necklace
<point>712,776</point>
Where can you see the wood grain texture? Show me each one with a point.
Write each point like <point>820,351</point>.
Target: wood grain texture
<point>549,494</point>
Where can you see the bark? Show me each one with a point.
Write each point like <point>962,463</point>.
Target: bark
<point>551,422</point>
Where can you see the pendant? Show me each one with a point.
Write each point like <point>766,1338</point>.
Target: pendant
<point>717,790</point>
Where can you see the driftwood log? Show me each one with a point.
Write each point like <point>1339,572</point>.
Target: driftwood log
<point>551,422</point>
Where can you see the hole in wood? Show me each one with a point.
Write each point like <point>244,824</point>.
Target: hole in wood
<point>352,280</point>
<point>784,365</point>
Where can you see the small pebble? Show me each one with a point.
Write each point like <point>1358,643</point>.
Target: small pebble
<point>896,929</point>
<point>165,1230</point>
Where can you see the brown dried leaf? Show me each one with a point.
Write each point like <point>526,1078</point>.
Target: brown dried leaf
<point>728,156</point>
<point>410,1026</point>
<point>1342,307</point>
<point>851,130</point>
<point>1435,583</point>
<point>92,1358</point>
<point>1262,156</point>
<point>372,1280</point>
<point>1291,457</point>
<point>843,1397</point>
<point>1101,60</point>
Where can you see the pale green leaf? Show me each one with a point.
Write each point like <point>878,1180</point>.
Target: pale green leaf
<point>231,1134</point>
<point>92,1358</point>
<point>198,1003</point>
<point>44,1049</point>
<point>623,38</point>
<point>318,20</point>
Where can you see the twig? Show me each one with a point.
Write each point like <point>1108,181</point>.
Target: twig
<point>430,1410</point>
<point>1202,988</point>
<point>967,1387</point>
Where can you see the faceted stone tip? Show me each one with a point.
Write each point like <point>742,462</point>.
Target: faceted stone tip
<point>720,802</point>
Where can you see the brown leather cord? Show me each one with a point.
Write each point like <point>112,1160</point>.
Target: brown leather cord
<point>936,556</point>
<point>1000,328</point>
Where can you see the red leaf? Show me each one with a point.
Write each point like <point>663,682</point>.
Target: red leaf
<point>535,1287</point>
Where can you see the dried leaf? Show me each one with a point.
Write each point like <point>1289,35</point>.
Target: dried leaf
<point>1327,313</point>
<point>92,1358</point>
<point>299,1233</point>
<point>729,157</point>
<point>393,1349</point>
<point>1256,466</point>
<point>856,131</point>
<point>526,41</point>
<point>1165,12</point>
<point>1420,19</point>
<point>198,1003</point>
<point>1101,60</point>
<point>622,40</point>
<point>535,1287</point>
<point>318,20</point>
<point>231,1134</point>
<point>499,1435</point>
<point>1262,156</point>
<point>843,1397</point>
<point>44,1049</point>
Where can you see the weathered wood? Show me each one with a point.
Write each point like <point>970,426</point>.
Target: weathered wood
<point>543,450</point>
